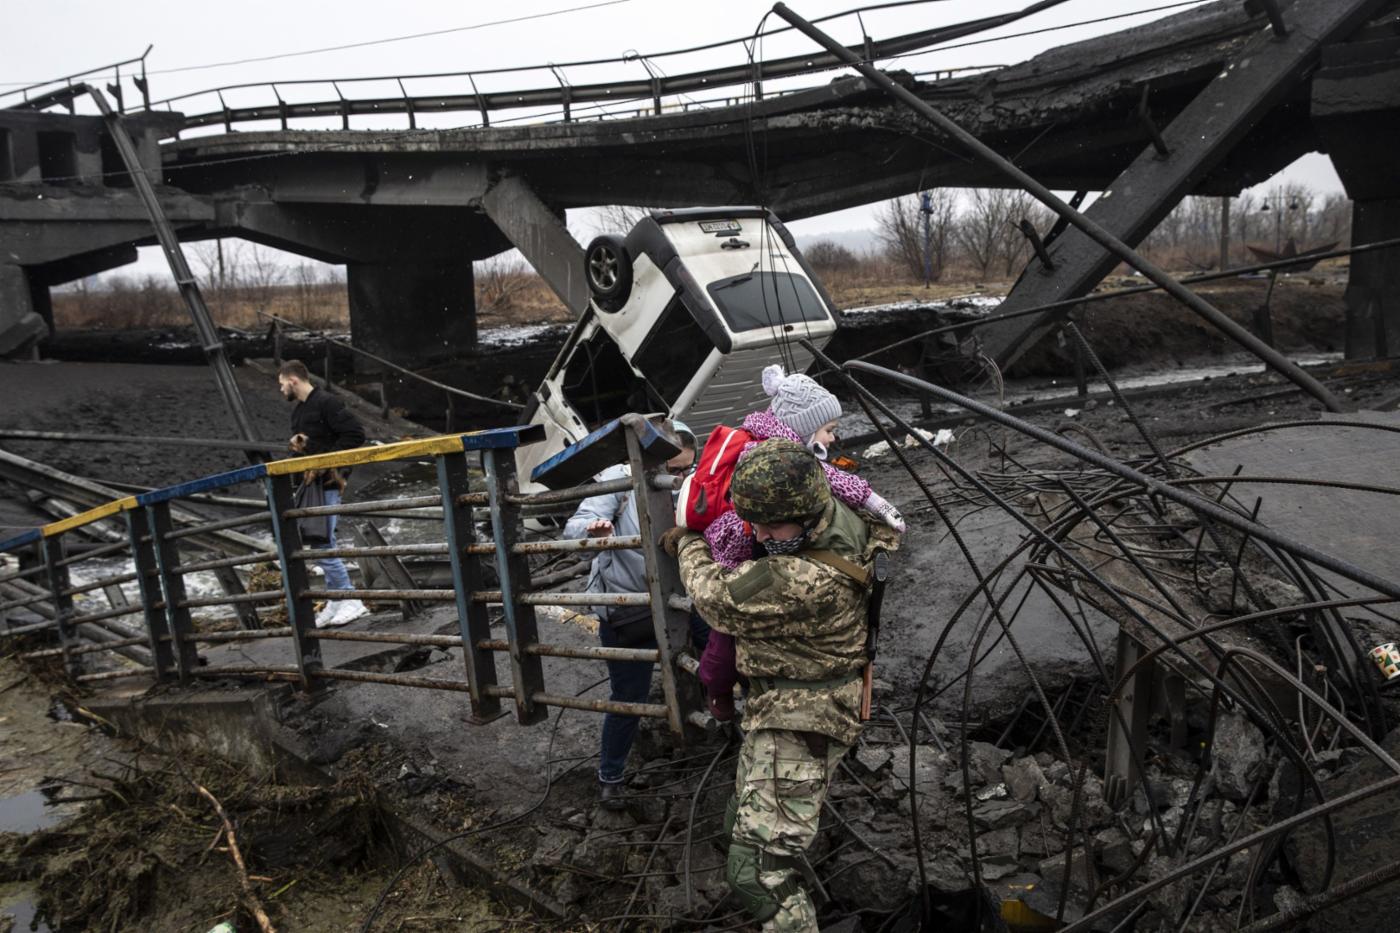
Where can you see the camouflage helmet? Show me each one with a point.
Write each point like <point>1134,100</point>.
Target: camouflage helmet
<point>779,481</point>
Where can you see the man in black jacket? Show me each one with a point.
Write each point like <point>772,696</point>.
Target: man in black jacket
<point>321,423</point>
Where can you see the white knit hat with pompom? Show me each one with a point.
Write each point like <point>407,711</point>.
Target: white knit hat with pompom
<point>799,402</point>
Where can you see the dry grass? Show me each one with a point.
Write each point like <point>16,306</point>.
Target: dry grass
<point>506,295</point>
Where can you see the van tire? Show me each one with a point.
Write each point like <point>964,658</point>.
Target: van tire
<point>608,269</point>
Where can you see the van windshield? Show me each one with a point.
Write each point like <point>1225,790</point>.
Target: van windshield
<point>766,299</point>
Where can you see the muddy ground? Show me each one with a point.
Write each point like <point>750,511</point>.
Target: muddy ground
<point>104,833</point>
<point>555,846</point>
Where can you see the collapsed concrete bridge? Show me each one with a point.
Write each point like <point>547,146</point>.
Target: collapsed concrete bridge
<point>408,211</point>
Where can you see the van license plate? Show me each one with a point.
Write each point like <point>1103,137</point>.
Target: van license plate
<point>721,227</point>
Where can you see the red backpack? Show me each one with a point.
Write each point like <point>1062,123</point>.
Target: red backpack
<point>704,495</point>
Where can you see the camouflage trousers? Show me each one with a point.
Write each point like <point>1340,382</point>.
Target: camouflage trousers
<point>778,792</point>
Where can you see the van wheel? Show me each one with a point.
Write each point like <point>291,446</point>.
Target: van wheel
<point>609,271</point>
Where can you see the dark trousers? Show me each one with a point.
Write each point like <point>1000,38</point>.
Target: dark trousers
<point>631,683</point>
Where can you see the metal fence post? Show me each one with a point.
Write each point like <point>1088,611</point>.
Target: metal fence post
<point>473,618</point>
<point>57,576</point>
<point>177,615</point>
<point>656,513</point>
<point>301,612</point>
<point>143,555</point>
<point>527,672</point>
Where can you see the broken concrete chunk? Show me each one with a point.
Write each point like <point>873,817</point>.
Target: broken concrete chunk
<point>873,759</point>
<point>1082,874</point>
<point>1039,841</point>
<point>984,761</point>
<point>1023,778</point>
<point>927,769</point>
<point>997,842</point>
<point>1115,850</point>
<point>861,878</point>
<point>1238,755</point>
<point>555,848</point>
<point>994,814</point>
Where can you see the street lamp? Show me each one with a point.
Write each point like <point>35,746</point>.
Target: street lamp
<point>1277,199</point>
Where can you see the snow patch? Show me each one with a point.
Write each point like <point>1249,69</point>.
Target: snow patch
<point>518,335</point>
<point>943,438</point>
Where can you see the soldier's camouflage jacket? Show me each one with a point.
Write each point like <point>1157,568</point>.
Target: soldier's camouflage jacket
<point>795,619</point>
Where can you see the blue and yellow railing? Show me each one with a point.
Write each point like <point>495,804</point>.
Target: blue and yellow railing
<point>162,543</point>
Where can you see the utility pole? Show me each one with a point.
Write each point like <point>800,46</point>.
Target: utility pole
<point>926,208</point>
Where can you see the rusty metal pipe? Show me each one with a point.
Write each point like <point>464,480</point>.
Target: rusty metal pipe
<point>26,629</point>
<point>107,614</point>
<point>395,680</point>
<point>618,543</point>
<point>566,599</point>
<point>649,710</point>
<point>105,550</point>
<point>114,675</point>
<point>382,595</point>
<point>586,652</point>
<point>214,638</point>
<point>204,528</point>
<point>391,638</point>
<point>28,572</point>
<point>355,508</point>
<point>87,649</point>
<point>99,584</point>
<point>265,596</point>
<point>26,601</point>
<point>1090,228</point>
<point>247,670</point>
<point>572,494</point>
<point>394,550</point>
<point>238,561</point>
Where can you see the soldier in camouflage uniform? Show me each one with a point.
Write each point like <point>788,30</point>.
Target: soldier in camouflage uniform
<point>798,616</point>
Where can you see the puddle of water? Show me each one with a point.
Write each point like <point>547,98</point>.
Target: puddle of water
<point>16,902</point>
<point>27,812</point>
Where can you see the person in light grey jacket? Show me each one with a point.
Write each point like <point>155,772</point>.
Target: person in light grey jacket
<point>623,571</point>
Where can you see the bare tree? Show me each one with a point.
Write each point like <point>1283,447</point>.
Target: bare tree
<point>987,230</point>
<point>220,266</point>
<point>618,218</point>
<point>306,290</point>
<point>500,281</point>
<point>828,256</point>
<point>1246,216</point>
<point>1333,222</point>
<point>264,272</point>
<point>899,226</point>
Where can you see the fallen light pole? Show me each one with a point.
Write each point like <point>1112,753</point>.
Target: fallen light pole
<point>985,154</point>
<point>184,279</point>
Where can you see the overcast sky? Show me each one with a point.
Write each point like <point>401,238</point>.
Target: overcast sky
<point>198,46</point>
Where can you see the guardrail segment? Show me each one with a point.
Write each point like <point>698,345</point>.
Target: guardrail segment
<point>164,548</point>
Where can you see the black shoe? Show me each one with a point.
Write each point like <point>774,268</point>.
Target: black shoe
<point>612,796</point>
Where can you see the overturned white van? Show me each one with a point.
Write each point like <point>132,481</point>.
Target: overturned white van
<point>685,313</point>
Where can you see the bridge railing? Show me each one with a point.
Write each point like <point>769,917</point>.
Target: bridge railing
<point>468,91</point>
<point>163,553</point>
